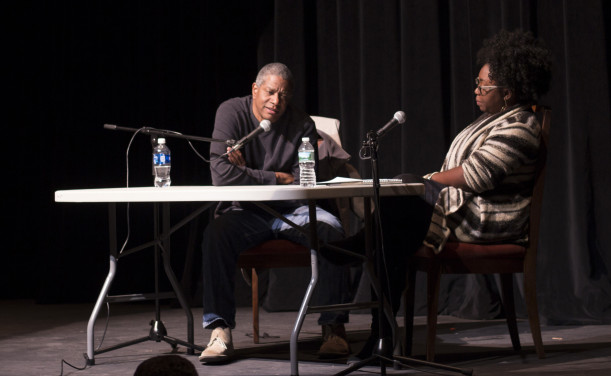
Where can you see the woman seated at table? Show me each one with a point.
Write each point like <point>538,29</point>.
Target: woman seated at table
<point>483,190</point>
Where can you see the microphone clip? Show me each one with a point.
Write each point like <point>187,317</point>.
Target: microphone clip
<point>369,145</point>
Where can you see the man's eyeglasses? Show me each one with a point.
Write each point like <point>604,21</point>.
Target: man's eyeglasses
<point>484,90</point>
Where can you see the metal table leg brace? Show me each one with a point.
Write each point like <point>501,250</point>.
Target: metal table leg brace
<point>160,244</point>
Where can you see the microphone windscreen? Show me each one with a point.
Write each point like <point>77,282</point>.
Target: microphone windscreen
<point>266,125</point>
<point>400,116</point>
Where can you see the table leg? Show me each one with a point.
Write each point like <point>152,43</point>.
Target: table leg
<point>310,290</point>
<point>96,310</point>
<point>112,232</point>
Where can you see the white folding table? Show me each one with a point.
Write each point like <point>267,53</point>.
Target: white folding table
<point>209,195</point>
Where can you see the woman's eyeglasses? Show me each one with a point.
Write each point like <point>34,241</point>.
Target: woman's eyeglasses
<point>484,90</point>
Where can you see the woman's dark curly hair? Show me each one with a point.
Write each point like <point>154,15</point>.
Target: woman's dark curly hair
<point>518,61</point>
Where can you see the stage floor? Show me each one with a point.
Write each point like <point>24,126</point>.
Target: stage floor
<point>34,339</point>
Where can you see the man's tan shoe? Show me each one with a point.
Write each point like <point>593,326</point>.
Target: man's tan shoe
<point>335,344</point>
<point>220,347</point>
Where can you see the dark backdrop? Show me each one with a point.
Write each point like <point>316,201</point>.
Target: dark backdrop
<point>74,66</point>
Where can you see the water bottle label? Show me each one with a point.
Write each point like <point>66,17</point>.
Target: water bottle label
<point>161,159</point>
<point>306,156</point>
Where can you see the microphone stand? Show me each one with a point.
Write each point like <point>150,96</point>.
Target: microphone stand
<point>166,133</point>
<point>163,132</point>
<point>383,351</point>
<point>161,245</point>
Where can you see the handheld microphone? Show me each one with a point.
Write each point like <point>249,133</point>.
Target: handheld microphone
<point>398,118</point>
<point>264,126</point>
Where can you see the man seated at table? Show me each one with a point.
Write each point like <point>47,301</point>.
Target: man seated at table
<point>270,158</point>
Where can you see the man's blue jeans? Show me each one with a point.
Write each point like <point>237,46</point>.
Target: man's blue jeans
<point>239,230</point>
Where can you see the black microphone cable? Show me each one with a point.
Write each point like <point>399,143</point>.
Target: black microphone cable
<point>61,371</point>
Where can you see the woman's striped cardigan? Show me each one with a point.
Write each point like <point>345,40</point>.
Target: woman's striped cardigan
<point>498,154</point>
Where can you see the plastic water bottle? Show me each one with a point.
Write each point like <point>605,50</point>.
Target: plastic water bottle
<point>307,174</point>
<point>162,164</point>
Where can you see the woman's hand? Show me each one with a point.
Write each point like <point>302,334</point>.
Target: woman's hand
<point>453,177</point>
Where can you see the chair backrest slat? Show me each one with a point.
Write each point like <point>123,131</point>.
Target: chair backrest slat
<point>544,115</point>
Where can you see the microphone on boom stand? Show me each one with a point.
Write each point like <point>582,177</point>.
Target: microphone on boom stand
<point>383,351</point>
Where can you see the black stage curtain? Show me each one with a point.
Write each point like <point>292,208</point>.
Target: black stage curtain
<point>76,66</point>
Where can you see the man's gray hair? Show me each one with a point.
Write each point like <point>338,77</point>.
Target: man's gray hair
<point>275,69</point>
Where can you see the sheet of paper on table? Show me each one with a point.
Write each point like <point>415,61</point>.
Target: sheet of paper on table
<point>343,180</point>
